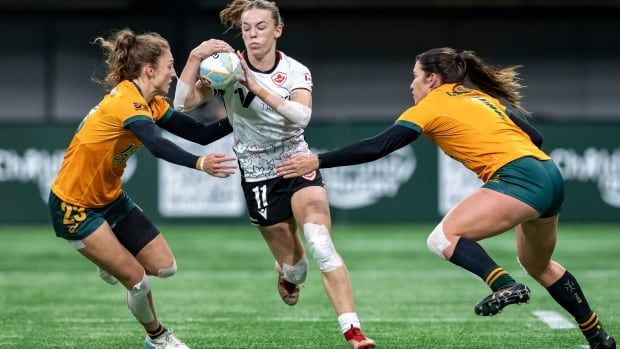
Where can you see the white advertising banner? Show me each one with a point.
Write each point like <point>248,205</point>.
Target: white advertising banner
<point>185,192</point>
<point>362,185</point>
<point>455,182</point>
<point>595,165</point>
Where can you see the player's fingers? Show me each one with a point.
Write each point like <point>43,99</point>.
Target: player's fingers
<point>226,168</point>
<point>281,170</point>
<point>244,64</point>
<point>227,159</point>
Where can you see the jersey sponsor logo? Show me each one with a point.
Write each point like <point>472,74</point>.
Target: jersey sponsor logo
<point>310,176</point>
<point>140,106</point>
<point>307,77</point>
<point>278,78</point>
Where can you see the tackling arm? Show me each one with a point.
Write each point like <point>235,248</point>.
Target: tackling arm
<point>370,149</point>
<point>363,151</point>
<point>150,135</point>
<point>187,127</point>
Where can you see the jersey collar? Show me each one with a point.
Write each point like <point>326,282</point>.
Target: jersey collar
<point>275,64</point>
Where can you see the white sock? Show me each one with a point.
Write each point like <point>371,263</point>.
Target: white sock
<point>346,320</point>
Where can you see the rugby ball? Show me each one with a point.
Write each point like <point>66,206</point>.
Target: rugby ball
<point>220,70</point>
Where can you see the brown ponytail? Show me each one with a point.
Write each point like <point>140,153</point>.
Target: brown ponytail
<point>466,66</point>
<point>126,54</point>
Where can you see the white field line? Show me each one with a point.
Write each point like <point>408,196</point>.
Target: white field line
<point>554,319</point>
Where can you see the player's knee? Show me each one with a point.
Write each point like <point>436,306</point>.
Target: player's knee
<point>168,272</point>
<point>437,241</point>
<point>107,277</point>
<point>522,266</point>
<point>322,247</point>
<point>138,302</point>
<point>296,273</point>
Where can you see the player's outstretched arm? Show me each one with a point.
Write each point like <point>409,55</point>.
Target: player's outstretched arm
<point>149,134</point>
<point>367,150</point>
<point>187,127</point>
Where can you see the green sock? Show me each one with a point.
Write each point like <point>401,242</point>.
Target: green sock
<point>468,254</point>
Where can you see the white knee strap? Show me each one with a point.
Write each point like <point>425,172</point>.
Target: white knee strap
<point>138,302</point>
<point>322,247</point>
<point>107,277</point>
<point>437,241</point>
<point>168,272</point>
<point>296,273</point>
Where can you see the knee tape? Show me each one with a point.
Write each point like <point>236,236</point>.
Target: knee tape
<point>322,247</point>
<point>437,241</point>
<point>296,273</point>
<point>168,272</point>
<point>138,302</point>
<point>107,277</point>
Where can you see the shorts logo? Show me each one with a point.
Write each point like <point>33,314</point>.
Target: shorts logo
<point>278,78</point>
<point>262,212</point>
<point>310,176</point>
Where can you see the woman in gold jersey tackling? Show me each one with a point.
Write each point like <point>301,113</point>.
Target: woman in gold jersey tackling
<point>87,204</point>
<point>523,187</point>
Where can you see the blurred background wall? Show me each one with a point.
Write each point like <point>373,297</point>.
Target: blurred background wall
<point>360,53</point>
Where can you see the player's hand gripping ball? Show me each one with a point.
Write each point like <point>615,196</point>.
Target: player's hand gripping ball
<point>220,70</point>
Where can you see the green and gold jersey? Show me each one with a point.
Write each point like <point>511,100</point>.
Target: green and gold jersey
<point>471,127</point>
<point>90,175</point>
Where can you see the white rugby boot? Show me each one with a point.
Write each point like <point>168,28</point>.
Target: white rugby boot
<point>166,340</point>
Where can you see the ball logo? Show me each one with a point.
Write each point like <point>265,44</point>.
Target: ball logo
<point>310,176</point>
<point>278,78</point>
<point>220,70</point>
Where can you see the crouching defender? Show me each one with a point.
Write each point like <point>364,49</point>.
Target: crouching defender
<point>523,187</point>
<point>87,204</point>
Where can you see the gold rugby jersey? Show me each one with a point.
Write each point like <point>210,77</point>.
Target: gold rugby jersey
<point>90,175</point>
<point>471,127</point>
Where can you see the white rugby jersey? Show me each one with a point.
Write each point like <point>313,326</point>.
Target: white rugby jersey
<point>263,137</point>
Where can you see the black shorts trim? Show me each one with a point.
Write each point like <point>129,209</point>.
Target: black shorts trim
<point>135,231</point>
